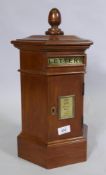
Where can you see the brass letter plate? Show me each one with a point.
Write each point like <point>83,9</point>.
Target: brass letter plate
<point>66,107</point>
<point>66,61</point>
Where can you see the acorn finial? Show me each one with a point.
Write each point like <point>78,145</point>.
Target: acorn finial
<point>54,20</point>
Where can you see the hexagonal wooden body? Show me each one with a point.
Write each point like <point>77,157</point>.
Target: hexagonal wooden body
<point>41,86</point>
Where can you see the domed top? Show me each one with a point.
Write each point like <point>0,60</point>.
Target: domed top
<point>54,20</point>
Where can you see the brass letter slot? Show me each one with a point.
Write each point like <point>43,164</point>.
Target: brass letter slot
<point>65,61</point>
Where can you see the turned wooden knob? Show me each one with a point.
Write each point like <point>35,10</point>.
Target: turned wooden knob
<point>54,20</point>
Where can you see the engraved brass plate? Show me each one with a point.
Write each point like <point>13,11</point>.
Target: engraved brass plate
<point>65,61</point>
<point>66,107</point>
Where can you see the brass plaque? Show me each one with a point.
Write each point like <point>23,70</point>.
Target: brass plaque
<point>66,107</point>
<point>65,61</point>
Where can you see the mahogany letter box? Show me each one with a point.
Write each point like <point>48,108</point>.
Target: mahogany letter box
<point>52,69</point>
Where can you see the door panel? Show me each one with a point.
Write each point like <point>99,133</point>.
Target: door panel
<point>65,105</point>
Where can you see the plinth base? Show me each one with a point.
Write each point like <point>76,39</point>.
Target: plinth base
<point>54,154</point>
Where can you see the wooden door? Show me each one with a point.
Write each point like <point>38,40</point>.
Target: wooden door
<point>62,87</point>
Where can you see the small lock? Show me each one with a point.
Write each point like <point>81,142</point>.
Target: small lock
<point>53,110</point>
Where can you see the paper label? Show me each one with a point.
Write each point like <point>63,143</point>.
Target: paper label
<point>64,130</point>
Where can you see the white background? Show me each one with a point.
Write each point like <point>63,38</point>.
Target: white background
<point>21,18</point>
